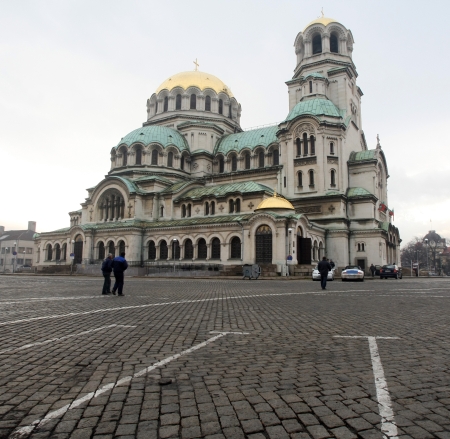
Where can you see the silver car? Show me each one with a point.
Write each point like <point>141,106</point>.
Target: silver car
<point>316,274</point>
<point>352,272</point>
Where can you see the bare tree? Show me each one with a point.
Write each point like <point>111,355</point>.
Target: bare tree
<point>414,252</point>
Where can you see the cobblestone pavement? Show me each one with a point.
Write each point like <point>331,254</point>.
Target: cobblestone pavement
<point>158,364</point>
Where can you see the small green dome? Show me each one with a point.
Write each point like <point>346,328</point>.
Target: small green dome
<point>155,134</point>
<point>315,107</point>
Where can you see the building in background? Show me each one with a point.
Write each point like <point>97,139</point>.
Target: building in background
<point>16,247</point>
<point>191,185</point>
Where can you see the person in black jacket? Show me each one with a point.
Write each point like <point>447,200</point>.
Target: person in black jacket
<point>119,265</point>
<point>324,267</point>
<point>106,270</point>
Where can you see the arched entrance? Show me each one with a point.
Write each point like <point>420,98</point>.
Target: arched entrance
<point>78,249</point>
<point>263,245</point>
<point>303,248</point>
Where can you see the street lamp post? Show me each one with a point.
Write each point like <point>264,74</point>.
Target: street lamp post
<point>428,268</point>
<point>15,257</point>
<point>174,251</point>
<point>24,252</point>
<point>4,262</point>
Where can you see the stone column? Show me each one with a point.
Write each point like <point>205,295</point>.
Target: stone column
<point>325,43</point>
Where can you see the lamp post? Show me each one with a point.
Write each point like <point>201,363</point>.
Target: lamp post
<point>24,252</point>
<point>426,243</point>
<point>15,257</point>
<point>4,264</point>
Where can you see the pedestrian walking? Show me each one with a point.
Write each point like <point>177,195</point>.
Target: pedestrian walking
<point>119,265</point>
<point>332,264</point>
<point>372,269</point>
<point>106,270</point>
<point>324,267</point>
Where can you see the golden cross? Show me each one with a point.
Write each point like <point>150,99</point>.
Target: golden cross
<point>322,11</point>
<point>196,64</point>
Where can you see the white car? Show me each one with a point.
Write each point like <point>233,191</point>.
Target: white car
<point>316,274</point>
<point>352,272</point>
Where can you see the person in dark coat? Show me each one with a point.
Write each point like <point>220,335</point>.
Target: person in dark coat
<point>372,269</point>
<point>106,270</point>
<point>119,265</point>
<point>324,267</point>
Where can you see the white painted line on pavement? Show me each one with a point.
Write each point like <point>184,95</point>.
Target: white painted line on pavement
<point>388,424</point>
<point>39,343</point>
<point>58,413</point>
<point>44,299</point>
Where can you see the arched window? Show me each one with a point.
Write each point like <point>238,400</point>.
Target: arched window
<point>64,252</point>
<point>261,159</point>
<point>138,155</point>
<point>247,161</point>
<point>155,157</point>
<point>221,165</point>
<point>300,179</point>
<point>151,250</point>
<point>49,252</point>
<point>188,211</point>
<point>334,44</point>
<point>310,87</point>
<point>276,157</point>
<point>235,248</point>
<point>175,249</point>
<point>317,44</point>
<point>193,102</point>
<point>298,144</point>
<point>233,163</point>
<point>363,247</point>
<point>313,145</point>
<point>183,211</point>
<point>101,250</point>
<point>161,212</point>
<point>188,249</point>
<point>182,163</point>
<point>206,208</point>
<point>231,206</point>
<point>163,250</point>
<point>237,205</point>
<point>311,177</point>
<point>220,106</point>
<point>178,102</point>
<point>121,247</point>
<point>213,207</point>
<point>166,104</point>
<point>208,103</point>
<point>215,248</point>
<point>156,107</point>
<point>331,148</point>
<point>170,159</point>
<point>230,116</point>
<point>305,144</point>
<point>263,244</point>
<point>124,156</point>
<point>57,252</point>
<point>333,178</point>
<point>359,247</point>
<point>202,249</point>
<point>78,249</point>
<point>112,248</point>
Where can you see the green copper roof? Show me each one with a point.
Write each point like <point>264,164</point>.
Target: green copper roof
<point>370,154</point>
<point>247,139</point>
<point>153,178</point>
<point>177,187</point>
<point>315,107</point>
<point>314,75</point>
<point>333,193</point>
<point>223,190</point>
<point>357,192</point>
<point>155,134</point>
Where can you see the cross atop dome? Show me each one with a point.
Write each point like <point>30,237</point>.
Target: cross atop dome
<point>197,65</point>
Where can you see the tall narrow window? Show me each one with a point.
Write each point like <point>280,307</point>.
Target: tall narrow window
<point>49,252</point>
<point>138,156</point>
<point>305,144</point>
<point>151,250</point>
<point>229,111</point>
<point>313,145</point>
<point>261,159</point>
<point>334,44</point>
<point>182,163</point>
<point>156,107</point>
<point>233,163</point>
<point>155,157</point>
<point>161,210</point>
<point>166,104</point>
<point>298,143</point>
<point>331,148</point>
<point>202,249</point>
<point>310,86</point>
<point>163,250</point>
<point>276,157</point>
<point>317,44</point>
<point>235,248</point>
<point>193,102</point>
<point>220,106</point>
<point>215,248</point>
<point>300,179</point>
<point>124,156</point>
<point>121,247</point>
<point>208,103</point>
<point>221,165</point>
<point>170,159</point>
<point>206,208</point>
<point>183,211</point>
<point>57,252</point>
<point>112,248</point>
<point>213,207</point>
<point>333,178</point>
<point>247,160</point>
<point>237,206</point>
<point>101,250</point>
<point>188,249</point>
<point>311,177</point>
<point>188,213</point>
<point>178,102</point>
<point>231,204</point>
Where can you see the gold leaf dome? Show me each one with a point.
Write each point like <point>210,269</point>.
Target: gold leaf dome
<point>195,78</point>
<point>322,20</point>
<point>277,203</point>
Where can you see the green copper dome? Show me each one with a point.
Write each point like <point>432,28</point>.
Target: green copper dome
<point>315,107</point>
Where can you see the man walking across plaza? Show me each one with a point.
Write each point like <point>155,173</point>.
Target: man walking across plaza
<point>119,265</point>
<point>106,270</point>
<point>324,267</point>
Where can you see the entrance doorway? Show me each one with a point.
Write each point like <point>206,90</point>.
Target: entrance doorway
<point>263,244</point>
<point>78,250</point>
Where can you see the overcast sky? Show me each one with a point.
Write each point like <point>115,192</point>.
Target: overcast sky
<point>75,76</point>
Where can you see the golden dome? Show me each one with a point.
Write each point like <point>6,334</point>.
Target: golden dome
<point>275,203</point>
<point>195,78</point>
<point>322,20</point>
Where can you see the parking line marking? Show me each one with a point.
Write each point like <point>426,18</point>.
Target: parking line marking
<point>40,343</point>
<point>58,413</point>
<point>388,425</point>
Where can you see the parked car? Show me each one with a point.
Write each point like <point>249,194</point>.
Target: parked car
<point>24,268</point>
<point>391,270</point>
<point>377,270</point>
<point>352,272</point>
<point>316,274</point>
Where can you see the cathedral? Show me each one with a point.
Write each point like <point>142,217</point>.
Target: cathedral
<point>190,185</point>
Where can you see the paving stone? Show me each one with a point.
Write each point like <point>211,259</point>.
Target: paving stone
<point>343,433</point>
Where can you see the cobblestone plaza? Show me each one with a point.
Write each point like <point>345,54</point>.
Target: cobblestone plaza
<point>213,358</point>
